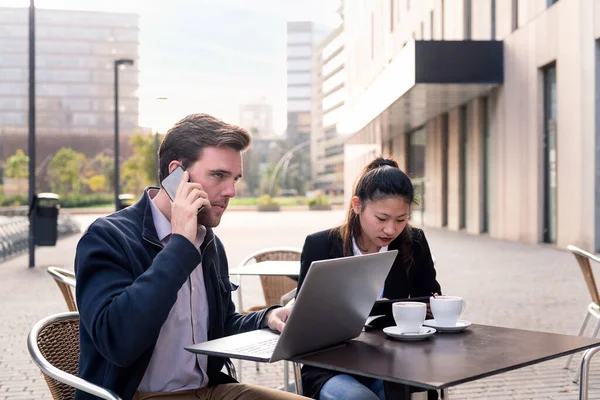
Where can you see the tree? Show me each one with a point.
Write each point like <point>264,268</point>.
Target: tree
<point>97,183</point>
<point>140,169</point>
<point>65,172</point>
<point>17,165</point>
<point>104,166</point>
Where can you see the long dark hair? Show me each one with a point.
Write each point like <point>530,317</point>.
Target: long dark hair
<point>380,179</point>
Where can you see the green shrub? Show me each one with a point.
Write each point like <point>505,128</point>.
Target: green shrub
<point>266,200</point>
<point>319,200</point>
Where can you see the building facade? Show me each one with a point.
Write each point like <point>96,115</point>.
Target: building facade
<point>329,94</point>
<point>75,53</point>
<point>257,117</point>
<point>491,105</point>
<point>302,39</point>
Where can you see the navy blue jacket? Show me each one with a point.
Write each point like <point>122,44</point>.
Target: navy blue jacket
<point>127,283</point>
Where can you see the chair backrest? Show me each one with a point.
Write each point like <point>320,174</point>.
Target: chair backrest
<point>66,283</point>
<point>584,260</point>
<point>53,344</point>
<point>275,286</point>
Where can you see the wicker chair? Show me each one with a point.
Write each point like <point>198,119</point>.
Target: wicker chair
<point>274,287</point>
<point>584,260</point>
<point>53,345</point>
<point>66,283</point>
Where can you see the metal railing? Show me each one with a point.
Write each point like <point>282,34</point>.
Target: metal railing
<point>14,233</point>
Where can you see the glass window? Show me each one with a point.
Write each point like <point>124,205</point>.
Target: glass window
<point>62,47</point>
<point>298,37</point>
<point>73,75</point>
<point>298,105</point>
<point>13,88</point>
<point>66,61</point>
<point>332,117</point>
<point>13,45</point>
<point>333,81</point>
<point>17,16</point>
<point>299,51</point>
<point>123,35</point>
<point>334,63</point>
<point>333,46</point>
<point>334,99</point>
<point>298,91</point>
<point>13,74</point>
<point>13,104</point>
<point>550,154</point>
<point>12,118</point>
<point>299,65</point>
<point>416,153</point>
<point>13,31</point>
<point>298,78</point>
<point>115,49</point>
<point>72,32</point>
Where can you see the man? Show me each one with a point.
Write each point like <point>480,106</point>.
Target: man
<point>153,278</point>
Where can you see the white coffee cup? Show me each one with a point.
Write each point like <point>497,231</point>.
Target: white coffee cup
<point>409,315</point>
<point>446,309</point>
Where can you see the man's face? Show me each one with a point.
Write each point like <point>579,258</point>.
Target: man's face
<point>217,170</point>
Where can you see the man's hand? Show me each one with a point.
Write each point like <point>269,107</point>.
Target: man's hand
<point>189,198</point>
<point>277,317</point>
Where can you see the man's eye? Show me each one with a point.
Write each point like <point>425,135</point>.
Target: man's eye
<point>381,219</point>
<point>218,175</point>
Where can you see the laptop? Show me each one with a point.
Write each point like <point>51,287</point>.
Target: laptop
<point>330,309</point>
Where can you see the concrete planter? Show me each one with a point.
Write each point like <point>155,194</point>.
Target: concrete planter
<point>270,207</point>
<point>320,207</point>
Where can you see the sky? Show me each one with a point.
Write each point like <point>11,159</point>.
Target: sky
<point>208,55</point>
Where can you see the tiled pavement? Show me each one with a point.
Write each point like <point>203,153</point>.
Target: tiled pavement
<point>506,284</point>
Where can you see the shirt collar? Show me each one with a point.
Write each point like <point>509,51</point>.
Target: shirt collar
<point>357,251</point>
<point>163,226</point>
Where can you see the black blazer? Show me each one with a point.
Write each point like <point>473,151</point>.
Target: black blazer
<point>414,280</point>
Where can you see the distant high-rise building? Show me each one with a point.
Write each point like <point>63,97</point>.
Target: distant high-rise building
<point>75,53</point>
<point>257,117</point>
<point>302,38</point>
<point>329,93</point>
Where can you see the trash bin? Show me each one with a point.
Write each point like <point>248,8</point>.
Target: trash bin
<point>45,208</point>
<point>125,200</point>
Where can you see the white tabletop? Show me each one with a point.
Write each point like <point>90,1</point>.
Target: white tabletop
<point>270,268</point>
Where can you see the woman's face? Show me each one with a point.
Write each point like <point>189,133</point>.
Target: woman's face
<point>381,221</point>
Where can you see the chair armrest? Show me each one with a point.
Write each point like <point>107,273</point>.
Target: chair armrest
<point>230,369</point>
<point>62,376</point>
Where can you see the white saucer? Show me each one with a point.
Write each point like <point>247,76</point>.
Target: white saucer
<point>394,331</point>
<point>461,325</point>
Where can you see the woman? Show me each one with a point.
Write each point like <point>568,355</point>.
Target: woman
<point>376,221</point>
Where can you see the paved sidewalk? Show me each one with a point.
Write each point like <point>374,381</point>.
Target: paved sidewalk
<point>504,283</point>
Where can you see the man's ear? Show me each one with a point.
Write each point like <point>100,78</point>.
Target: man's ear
<point>173,165</point>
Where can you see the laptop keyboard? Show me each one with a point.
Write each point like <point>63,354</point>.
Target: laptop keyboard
<point>259,349</point>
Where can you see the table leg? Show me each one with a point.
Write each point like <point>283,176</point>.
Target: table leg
<point>584,372</point>
<point>444,393</point>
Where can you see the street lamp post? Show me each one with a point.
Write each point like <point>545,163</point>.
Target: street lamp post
<point>156,145</point>
<point>117,188</point>
<point>31,146</point>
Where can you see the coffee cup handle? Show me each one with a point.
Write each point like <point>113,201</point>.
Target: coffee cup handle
<point>464,306</point>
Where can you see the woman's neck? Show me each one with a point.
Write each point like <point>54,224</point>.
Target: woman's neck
<point>366,248</point>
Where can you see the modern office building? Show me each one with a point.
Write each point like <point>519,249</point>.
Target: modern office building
<point>75,54</point>
<point>302,39</point>
<point>491,105</point>
<point>257,117</point>
<point>327,146</point>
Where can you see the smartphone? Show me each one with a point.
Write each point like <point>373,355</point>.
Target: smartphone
<point>171,183</point>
